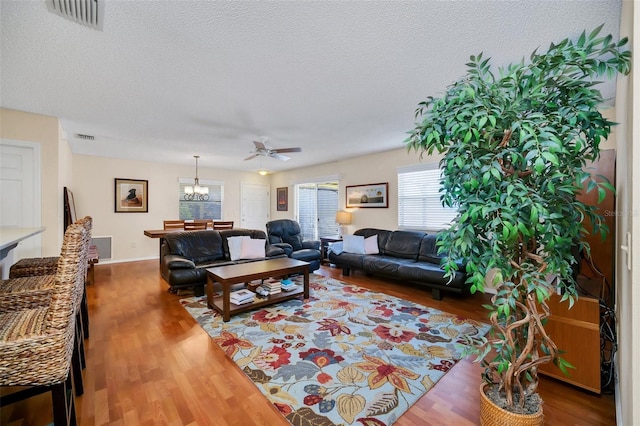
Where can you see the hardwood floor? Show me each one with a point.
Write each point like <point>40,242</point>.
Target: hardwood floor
<point>150,363</point>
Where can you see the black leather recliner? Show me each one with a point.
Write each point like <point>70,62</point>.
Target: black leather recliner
<point>285,233</point>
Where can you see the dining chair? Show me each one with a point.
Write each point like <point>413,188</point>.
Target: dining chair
<point>195,225</point>
<point>223,224</point>
<point>208,222</point>
<point>173,224</point>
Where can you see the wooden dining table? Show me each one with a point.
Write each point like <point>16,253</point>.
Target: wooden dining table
<point>160,234</point>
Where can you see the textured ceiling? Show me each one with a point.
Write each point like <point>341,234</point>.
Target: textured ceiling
<point>165,80</point>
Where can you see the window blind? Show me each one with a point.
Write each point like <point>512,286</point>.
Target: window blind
<point>419,205</point>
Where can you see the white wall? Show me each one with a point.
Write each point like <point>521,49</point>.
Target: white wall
<point>93,188</point>
<point>374,168</point>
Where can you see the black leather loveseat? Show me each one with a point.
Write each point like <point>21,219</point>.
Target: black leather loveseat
<point>186,255</point>
<point>403,255</point>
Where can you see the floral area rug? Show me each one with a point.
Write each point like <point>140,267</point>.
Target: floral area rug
<point>347,356</point>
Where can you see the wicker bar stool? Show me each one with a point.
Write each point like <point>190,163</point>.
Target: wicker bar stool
<point>33,266</point>
<point>37,266</point>
<point>37,342</point>
<point>34,291</point>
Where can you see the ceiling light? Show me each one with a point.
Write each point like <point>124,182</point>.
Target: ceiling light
<point>263,172</point>
<point>196,192</point>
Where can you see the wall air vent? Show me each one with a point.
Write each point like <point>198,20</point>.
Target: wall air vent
<point>85,137</point>
<point>85,12</point>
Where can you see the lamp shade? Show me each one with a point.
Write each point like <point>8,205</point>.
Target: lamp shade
<point>343,218</point>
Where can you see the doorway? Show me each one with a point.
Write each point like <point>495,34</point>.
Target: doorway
<point>254,208</point>
<point>20,192</point>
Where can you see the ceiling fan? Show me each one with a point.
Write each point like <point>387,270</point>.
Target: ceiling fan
<point>262,150</point>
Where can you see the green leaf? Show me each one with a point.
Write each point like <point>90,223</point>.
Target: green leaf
<point>550,157</point>
<point>534,215</point>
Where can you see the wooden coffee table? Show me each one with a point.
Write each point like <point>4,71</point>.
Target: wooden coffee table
<point>245,272</point>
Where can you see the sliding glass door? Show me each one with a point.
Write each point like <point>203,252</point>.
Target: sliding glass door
<point>316,207</point>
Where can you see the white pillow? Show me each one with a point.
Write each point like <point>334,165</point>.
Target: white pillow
<point>353,244</point>
<point>371,245</point>
<point>235,246</point>
<point>336,247</point>
<point>253,249</point>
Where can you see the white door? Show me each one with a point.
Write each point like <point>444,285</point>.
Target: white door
<point>20,192</point>
<point>254,206</point>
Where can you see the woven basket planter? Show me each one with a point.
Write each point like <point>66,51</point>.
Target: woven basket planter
<point>492,415</point>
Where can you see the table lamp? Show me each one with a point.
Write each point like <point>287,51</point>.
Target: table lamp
<point>342,218</point>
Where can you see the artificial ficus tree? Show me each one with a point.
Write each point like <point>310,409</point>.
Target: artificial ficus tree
<point>515,143</point>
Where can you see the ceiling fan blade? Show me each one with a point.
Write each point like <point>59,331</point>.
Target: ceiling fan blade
<point>279,156</point>
<point>287,150</point>
<point>250,157</point>
<point>259,145</point>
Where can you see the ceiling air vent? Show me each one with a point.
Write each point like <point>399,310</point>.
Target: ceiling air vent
<point>85,12</point>
<point>85,137</point>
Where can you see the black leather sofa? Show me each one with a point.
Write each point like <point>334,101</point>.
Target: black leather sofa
<point>286,233</point>
<point>406,256</point>
<point>186,255</point>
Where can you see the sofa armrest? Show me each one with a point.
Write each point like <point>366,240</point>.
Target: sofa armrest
<point>311,244</point>
<point>173,261</point>
<point>273,250</point>
<point>288,248</point>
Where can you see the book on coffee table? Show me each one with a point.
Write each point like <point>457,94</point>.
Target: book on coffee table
<point>241,296</point>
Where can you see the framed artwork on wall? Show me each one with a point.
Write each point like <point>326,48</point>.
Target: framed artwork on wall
<point>131,196</point>
<point>69,208</point>
<point>282,199</point>
<point>372,195</point>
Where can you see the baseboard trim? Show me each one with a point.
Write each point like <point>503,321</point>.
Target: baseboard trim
<point>135,259</point>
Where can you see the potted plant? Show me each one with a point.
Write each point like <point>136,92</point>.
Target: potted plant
<point>515,144</point>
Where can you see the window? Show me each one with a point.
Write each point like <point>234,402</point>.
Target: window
<point>317,204</point>
<point>202,209</point>
<point>419,205</point>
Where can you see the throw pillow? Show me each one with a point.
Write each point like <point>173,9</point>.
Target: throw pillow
<point>371,245</point>
<point>336,247</point>
<point>253,249</point>
<point>235,246</point>
<point>353,244</point>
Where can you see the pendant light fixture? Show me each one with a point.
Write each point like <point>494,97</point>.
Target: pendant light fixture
<point>196,192</point>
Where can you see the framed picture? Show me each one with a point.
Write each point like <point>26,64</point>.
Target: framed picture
<point>371,195</point>
<point>131,196</point>
<point>69,208</point>
<point>283,199</point>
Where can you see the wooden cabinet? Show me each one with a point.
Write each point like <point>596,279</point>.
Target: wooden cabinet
<point>577,332</point>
